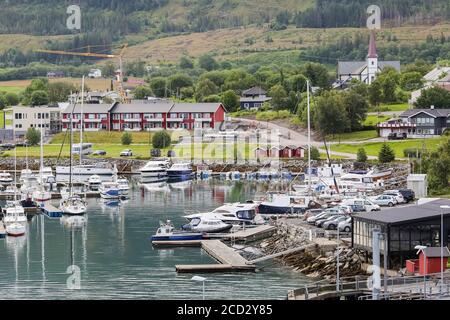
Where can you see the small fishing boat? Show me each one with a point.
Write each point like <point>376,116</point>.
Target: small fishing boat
<point>14,213</point>
<point>181,171</point>
<point>166,232</point>
<point>124,187</point>
<point>5,178</point>
<point>109,190</point>
<point>15,229</point>
<point>73,205</point>
<point>203,224</point>
<point>94,182</point>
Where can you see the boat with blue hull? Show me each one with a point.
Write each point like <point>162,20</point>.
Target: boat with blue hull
<point>180,171</point>
<point>109,190</point>
<point>166,233</point>
<point>285,204</point>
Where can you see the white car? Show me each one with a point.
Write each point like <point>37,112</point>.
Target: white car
<point>385,200</point>
<point>346,225</point>
<point>369,205</point>
<point>126,153</point>
<point>398,196</point>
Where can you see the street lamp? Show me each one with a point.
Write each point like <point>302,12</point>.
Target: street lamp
<point>202,280</point>
<point>442,243</point>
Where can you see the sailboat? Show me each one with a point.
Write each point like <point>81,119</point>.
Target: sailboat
<point>73,205</point>
<point>40,194</point>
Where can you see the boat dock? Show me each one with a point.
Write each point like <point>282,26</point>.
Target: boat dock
<point>51,211</point>
<point>229,260</point>
<point>251,234</point>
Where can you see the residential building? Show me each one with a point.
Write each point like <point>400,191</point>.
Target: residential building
<point>426,122</point>
<point>254,98</point>
<point>21,118</point>
<point>396,125</point>
<point>364,71</point>
<point>95,73</point>
<point>146,115</point>
<point>439,76</point>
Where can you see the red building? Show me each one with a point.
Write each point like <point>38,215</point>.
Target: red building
<point>146,115</point>
<point>429,262</point>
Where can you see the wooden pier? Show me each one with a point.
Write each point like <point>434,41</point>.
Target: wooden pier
<point>229,260</point>
<point>51,211</point>
<point>251,234</point>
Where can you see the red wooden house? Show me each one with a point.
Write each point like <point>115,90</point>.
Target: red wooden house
<point>430,261</point>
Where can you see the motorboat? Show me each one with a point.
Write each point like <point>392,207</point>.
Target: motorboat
<point>46,178</point>
<point>109,190</point>
<point>285,203</point>
<point>14,213</point>
<point>5,178</point>
<point>94,182</point>
<point>26,175</point>
<point>180,171</point>
<point>73,205</point>
<point>81,173</point>
<point>204,224</point>
<point>124,187</point>
<point>41,195</point>
<point>155,170</point>
<point>166,232</point>
<point>15,229</point>
<point>232,213</point>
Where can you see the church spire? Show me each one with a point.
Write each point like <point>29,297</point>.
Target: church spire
<point>372,46</point>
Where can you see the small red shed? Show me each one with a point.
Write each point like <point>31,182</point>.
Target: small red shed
<point>429,261</point>
<point>297,152</point>
<point>261,152</point>
<point>275,152</point>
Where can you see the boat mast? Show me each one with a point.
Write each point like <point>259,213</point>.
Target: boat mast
<point>70,151</point>
<point>42,150</point>
<point>82,122</point>
<point>309,138</point>
<point>15,167</point>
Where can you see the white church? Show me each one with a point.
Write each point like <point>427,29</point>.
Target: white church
<point>364,71</point>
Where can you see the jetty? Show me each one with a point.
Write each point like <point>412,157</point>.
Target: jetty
<point>51,211</point>
<point>251,234</point>
<point>229,260</point>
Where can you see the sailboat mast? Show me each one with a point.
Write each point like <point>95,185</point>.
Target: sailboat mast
<point>42,150</point>
<point>70,151</point>
<point>309,137</point>
<point>82,122</point>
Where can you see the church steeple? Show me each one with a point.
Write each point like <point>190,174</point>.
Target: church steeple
<point>372,46</point>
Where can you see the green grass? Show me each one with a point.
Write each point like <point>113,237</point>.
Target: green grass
<point>8,89</point>
<point>374,120</point>
<point>395,107</point>
<point>373,148</point>
<point>2,119</point>
<point>355,136</point>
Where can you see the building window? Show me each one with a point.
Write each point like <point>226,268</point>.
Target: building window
<point>91,116</point>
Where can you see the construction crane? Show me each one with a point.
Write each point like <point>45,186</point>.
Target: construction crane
<point>119,76</point>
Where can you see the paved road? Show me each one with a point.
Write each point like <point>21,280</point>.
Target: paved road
<point>289,136</point>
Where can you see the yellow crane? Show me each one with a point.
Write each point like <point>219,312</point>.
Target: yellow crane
<point>119,78</point>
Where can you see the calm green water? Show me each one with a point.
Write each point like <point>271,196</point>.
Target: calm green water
<point>116,259</point>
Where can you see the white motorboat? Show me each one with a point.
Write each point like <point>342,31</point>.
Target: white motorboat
<point>73,205</point>
<point>81,173</point>
<point>14,213</point>
<point>285,203</point>
<point>232,213</point>
<point>94,182</point>
<point>46,178</point>
<point>155,170</point>
<point>109,190</point>
<point>166,232</point>
<point>15,229</point>
<point>180,171</point>
<point>124,187</point>
<point>205,224</point>
<point>5,178</point>
<point>41,195</point>
<point>27,177</point>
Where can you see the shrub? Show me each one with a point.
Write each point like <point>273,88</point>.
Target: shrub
<point>361,155</point>
<point>161,140</point>
<point>33,136</point>
<point>315,154</point>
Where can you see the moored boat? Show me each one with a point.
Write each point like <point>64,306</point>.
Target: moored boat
<point>180,171</point>
<point>232,213</point>
<point>94,182</point>
<point>155,170</point>
<point>285,204</point>
<point>109,190</point>
<point>15,229</point>
<point>166,232</point>
<point>73,205</point>
<point>5,178</point>
<point>204,224</point>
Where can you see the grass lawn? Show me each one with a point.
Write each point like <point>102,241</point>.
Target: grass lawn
<point>12,89</point>
<point>373,148</point>
<point>374,120</point>
<point>355,136</point>
<point>395,107</point>
<point>2,119</point>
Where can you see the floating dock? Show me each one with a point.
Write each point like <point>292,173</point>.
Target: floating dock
<point>229,260</point>
<point>51,211</point>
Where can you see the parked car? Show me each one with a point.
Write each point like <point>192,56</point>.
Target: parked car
<point>358,208</point>
<point>369,205</point>
<point>398,196</point>
<point>396,136</point>
<point>345,208</point>
<point>7,146</point>
<point>126,153</point>
<point>312,212</point>
<point>385,200</point>
<point>323,215</point>
<point>22,144</point>
<point>99,153</point>
<point>346,225</point>
<point>331,217</point>
<point>407,194</point>
<point>333,223</point>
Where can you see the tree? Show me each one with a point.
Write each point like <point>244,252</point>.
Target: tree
<point>207,62</point>
<point>375,94</point>
<point>330,116</point>
<point>411,80</point>
<point>212,98</point>
<point>434,96</point>
<point>142,92</point>
<point>33,136</point>
<point>59,91</point>
<point>108,69</point>
<point>437,165</point>
<point>127,139</point>
<point>39,98</point>
<point>186,63</point>
<point>389,79</point>
<point>297,83</point>
<point>317,73</point>
<point>161,140</point>
<point>12,99</point>
<point>3,102</point>
<point>158,86</point>
<point>278,95</point>
<point>230,100</point>
<point>356,107</point>
<point>178,81</point>
<point>204,89</point>
<point>386,154</point>
<point>361,156</point>
<point>315,154</point>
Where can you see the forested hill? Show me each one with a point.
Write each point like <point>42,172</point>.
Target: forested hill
<point>120,17</point>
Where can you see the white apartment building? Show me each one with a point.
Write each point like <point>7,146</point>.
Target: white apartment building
<point>21,118</point>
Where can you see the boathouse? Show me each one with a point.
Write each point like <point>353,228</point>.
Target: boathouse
<point>429,262</point>
<point>261,152</point>
<point>404,228</point>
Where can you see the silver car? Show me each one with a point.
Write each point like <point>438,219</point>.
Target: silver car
<point>333,223</point>
<point>385,200</point>
<point>346,225</point>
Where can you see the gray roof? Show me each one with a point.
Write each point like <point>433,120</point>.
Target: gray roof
<point>355,67</point>
<point>195,107</point>
<point>433,112</point>
<point>410,213</point>
<point>143,107</point>
<point>255,99</point>
<point>435,252</point>
<point>88,108</point>
<point>254,91</point>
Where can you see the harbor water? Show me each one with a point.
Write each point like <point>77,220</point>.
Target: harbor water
<point>113,257</point>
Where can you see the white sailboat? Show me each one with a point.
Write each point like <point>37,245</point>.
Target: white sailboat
<point>40,194</point>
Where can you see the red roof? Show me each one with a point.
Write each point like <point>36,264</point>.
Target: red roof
<point>372,47</point>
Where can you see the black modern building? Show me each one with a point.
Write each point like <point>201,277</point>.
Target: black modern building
<point>405,227</point>
<point>427,121</point>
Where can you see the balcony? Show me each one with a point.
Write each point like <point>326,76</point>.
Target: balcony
<point>132,120</point>
<point>68,120</point>
<point>133,129</point>
<point>154,119</point>
<point>92,120</point>
<point>203,119</point>
<point>175,119</point>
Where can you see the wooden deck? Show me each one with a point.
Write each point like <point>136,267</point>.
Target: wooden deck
<point>229,260</point>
